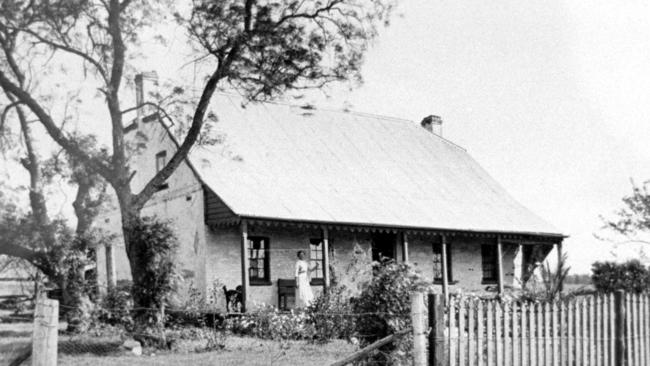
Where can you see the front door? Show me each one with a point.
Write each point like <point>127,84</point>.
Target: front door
<point>383,246</point>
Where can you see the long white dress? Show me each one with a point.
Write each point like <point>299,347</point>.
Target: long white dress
<point>304,296</point>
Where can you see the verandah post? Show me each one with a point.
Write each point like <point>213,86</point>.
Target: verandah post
<point>619,328</point>
<point>500,264</point>
<point>445,271</point>
<point>558,247</point>
<point>437,339</point>
<point>419,329</point>
<point>245,283</point>
<point>326,258</point>
<point>405,247</point>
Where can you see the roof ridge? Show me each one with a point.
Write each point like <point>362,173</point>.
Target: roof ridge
<point>311,107</point>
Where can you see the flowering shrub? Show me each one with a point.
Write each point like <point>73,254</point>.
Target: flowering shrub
<point>115,308</point>
<point>268,322</point>
<point>331,315</point>
<point>383,308</point>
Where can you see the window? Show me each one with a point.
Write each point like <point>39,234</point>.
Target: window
<point>258,258</point>
<point>161,161</point>
<point>437,263</point>
<point>489,263</point>
<point>316,258</point>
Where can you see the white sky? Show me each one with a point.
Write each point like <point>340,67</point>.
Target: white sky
<point>550,97</point>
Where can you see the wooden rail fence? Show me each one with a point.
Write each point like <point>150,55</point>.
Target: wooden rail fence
<point>594,330</point>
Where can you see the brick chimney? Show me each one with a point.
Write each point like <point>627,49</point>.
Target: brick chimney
<point>146,82</point>
<point>432,124</point>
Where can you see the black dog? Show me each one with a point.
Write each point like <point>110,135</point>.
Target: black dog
<point>233,299</point>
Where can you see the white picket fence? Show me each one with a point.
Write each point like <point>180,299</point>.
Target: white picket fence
<point>594,330</point>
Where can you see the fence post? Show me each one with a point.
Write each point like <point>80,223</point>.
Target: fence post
<point>46,328</point>
<point>419,329</point>
<point>619,328</point>
<point>437,354</point>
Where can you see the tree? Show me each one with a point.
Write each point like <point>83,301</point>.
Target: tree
<point>631,276</point>
<point>262,48</point>
<point>32,235</point>
<point>633,220</point>
<point>45,243</point>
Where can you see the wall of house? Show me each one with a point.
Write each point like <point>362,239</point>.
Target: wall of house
<point>181,203</point>
<point>466,262</point>
<point>224,257</point>
<point>350,255</point>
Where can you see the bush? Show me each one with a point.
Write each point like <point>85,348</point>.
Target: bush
<point>631,276</point>
<point>116,307</point>
<point>548,287</point>
<point>384,305</point>
<point>198,310</point>
<point>268,322</point>
<point>330,315</point>
<point>153,245</point>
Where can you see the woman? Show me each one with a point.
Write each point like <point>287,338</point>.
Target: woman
<point>304,296</point>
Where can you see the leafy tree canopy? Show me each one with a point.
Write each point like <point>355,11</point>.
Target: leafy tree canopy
<point>631,276</point>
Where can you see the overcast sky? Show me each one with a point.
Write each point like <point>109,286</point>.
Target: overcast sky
<point>550,97</point>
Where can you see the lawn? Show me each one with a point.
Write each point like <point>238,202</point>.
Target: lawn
<point>238,351</point>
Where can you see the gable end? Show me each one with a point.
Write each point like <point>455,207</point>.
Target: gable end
<point>216,211</point>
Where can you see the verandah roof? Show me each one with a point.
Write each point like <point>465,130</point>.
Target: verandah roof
<point>290,163</point>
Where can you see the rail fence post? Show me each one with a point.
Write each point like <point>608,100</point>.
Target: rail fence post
<point>437,348</point>
<point>45,336</point>
<point>419,329</point>
<point>619,340</point>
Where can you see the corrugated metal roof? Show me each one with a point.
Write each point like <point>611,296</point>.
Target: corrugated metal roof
<point>285,162</point>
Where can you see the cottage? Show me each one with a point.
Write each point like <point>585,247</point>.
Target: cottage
<point>283,178</point>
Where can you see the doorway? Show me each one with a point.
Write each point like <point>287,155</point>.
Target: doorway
<point>383,246</point>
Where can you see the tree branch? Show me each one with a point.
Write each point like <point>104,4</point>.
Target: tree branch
<point>157,106</point>
<point>181,153</point>
<point>36,258</point>
<point>67,48</point>
<point>52,129</point>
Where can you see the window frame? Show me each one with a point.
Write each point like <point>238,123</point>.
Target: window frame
<point>449,263</point>
<point>494,259</point>
<point>316,281</point>
<point>163,155</point>
<point>159,167</point>
<point>266,279</point>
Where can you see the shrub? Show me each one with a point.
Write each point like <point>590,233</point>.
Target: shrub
<point>330,315</point>
<point>548,287</point>
<point>268,322</point>
<point>116,307</point>
<point>384,308</point>
<point>153,245</point>
<point>198,310</point>
<point>631,276</point>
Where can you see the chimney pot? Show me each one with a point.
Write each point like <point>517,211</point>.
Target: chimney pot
<point>432,124</point>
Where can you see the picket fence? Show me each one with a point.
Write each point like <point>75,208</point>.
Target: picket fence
<point>593,330</point>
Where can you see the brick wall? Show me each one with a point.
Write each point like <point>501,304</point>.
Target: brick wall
<point>223,261</point>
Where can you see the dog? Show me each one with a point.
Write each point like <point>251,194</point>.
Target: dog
<point>233,299</point>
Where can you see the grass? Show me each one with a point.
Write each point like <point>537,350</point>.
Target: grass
<point>239,351</point>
